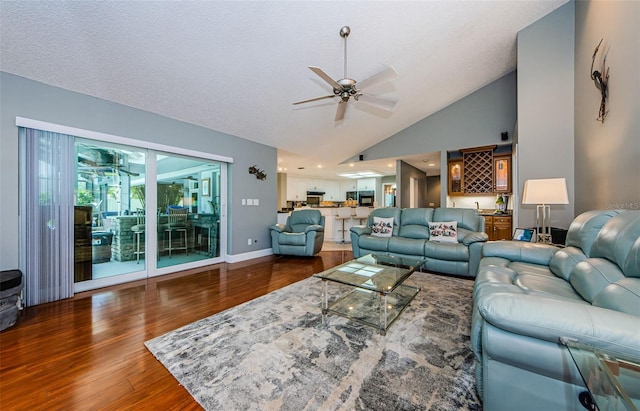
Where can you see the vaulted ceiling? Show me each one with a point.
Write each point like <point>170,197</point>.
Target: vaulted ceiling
<point>236,66</point>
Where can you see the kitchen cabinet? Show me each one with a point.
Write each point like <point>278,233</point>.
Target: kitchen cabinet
<point>480,171</point>
<point>455,178</point>
<point>477,170</point>
<point>366,184</point>
<point>502,174</point>
<point>498,227</point>
<point>296,189</point>
<point>332,191</point>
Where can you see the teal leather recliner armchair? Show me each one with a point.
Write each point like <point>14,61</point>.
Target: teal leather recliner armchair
<point>302,235</point>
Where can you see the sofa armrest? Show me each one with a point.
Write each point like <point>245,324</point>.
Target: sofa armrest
<point>277,227</point>
<point>314,227</point>
<point>474,237</point>
<point>361,230</point>
<point>549,319</point>
<point>533,253</point>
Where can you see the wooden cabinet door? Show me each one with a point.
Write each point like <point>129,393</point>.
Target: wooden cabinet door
<point>488,226</point>
<point>498,227</point>
<point>502,228</point>
<point>456,187</point>
<point>502,174</point>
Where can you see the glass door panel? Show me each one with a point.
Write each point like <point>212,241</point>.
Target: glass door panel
<point>188,215</point>
<point>109,217</point>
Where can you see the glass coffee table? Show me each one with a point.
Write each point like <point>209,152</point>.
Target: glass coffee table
<point>613,382</point>
<point>376,294</point>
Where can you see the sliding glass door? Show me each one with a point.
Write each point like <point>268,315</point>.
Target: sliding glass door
<point>124,227</point>
<point>109,211</point>
<point>188,209</point>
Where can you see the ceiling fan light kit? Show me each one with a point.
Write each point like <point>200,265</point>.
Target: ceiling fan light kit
<point>345,88</point>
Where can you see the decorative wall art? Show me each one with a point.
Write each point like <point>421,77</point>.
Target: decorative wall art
<point>601,80</point>
<point>206,187</point>
<point>260,174</point>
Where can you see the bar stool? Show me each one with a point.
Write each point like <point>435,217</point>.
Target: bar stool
<point>177,222</point>
<point>362,213</point>
<point>138,230</point>
<point>344,213</point>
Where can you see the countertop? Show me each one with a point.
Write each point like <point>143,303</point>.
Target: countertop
<point>487,212</point>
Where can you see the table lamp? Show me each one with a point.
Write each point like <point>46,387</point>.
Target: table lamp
<point>544,192</point>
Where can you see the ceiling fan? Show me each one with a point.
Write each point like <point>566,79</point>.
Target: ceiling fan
<point>346,88</point>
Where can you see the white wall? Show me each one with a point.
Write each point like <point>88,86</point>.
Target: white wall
<point>546,110</point>
<point>607,155</point>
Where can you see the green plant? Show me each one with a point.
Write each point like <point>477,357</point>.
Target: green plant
<point>84,197</point>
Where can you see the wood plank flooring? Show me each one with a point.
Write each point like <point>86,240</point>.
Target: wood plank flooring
<point>88,353</point>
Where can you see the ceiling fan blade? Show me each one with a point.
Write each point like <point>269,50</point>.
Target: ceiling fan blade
<point>385,75</point>
<point>342,106</point>
<point>313,99</point>
<point>326,78</point>
<point>383,103</point>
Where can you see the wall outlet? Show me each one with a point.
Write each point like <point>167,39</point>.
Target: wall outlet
<point>249,242</point>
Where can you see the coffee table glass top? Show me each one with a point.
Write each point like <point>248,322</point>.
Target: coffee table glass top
<point>613,382</point>
<point>379,273</point>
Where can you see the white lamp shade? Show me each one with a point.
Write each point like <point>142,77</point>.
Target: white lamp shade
<point>545,191</point>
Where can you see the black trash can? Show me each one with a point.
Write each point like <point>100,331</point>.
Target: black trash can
<point>101,246</point>
<point>10,297</point>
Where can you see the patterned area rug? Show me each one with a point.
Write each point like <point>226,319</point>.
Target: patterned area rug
<point>277,353</point>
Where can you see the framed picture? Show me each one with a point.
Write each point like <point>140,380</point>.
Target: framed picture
<point>206,187</point>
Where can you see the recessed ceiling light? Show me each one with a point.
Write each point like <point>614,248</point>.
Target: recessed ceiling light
<point>431,165</point>
<point>319,165</point>
<point>350,164</point>
<point>389,165</point>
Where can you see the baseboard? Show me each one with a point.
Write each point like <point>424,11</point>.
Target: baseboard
<point>236,258</point>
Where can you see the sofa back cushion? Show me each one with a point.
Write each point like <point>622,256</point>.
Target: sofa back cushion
<point>564,261</point>
<point>591,276</point>
<point>623,295</point>
<point>386,213</point>
<point>466,217</point>
<point>299,220</point>
<point>414,222</point>
<point>585,227</point>
<point>619,242</point>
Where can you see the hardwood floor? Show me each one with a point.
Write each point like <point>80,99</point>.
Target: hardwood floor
<point>88,353</point>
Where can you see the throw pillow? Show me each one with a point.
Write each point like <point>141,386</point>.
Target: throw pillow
<point>382,227</point>
<point>445,231</point>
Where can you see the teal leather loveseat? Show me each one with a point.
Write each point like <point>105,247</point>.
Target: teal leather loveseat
<point>411,234</point>
<point>527,296</point>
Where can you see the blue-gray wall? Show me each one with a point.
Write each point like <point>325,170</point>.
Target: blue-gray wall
<point>546,111</point>
<point>20,97</point>
<point>607,155</point>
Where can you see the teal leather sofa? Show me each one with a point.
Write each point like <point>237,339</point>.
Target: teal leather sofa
<point>527,296</point>
<point>411,237</point>
<point>302,235</point>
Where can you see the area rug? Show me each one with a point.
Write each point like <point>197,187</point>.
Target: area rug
<point>277,352</point>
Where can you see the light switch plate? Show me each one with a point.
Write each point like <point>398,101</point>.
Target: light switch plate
<point>256,202</point>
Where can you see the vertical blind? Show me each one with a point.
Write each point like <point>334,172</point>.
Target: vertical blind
<point>47,215</point>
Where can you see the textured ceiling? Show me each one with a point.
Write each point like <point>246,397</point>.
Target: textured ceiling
<point>236,66</point>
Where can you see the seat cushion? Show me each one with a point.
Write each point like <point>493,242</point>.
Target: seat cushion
<point>446,251</point>
<point>369,242</point>
<point>407,246</point>
<point>292,238</point>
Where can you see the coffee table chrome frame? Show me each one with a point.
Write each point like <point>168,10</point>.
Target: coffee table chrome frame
<point>384,323</point>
